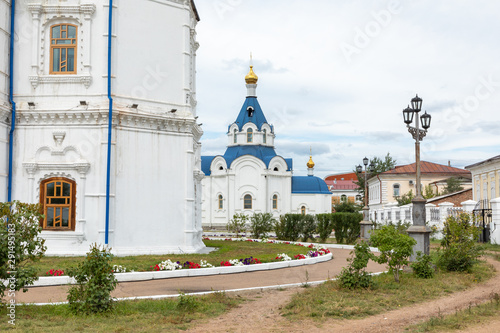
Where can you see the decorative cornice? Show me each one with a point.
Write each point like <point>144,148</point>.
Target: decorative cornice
<point>155,122</point>
<point>85,8</point>
<point>57,79</point>
<point>5,116</point>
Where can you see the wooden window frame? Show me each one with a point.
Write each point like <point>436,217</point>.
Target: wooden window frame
<point>275,201</point>
<point>54,46</point>
<point>245,202</point>
<point>303,210</point>
<point>71,205</point>
<point>249,135</point>
<point>220,201</point>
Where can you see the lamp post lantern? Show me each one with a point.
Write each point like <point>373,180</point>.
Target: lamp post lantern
<point>366,225</point>
<point>418,230</point>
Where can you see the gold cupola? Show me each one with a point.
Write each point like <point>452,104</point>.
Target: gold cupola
<point>310,163</point>
<point>251,77</point>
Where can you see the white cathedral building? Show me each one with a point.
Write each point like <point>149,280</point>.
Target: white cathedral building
<point>251,178</point>
<point>66,69</point>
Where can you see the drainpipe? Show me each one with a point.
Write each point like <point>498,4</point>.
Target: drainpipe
<point>380,188</point>
<point>110,123</point>
<point>11,100</point>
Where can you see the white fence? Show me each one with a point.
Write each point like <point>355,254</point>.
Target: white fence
<point>436,215</point>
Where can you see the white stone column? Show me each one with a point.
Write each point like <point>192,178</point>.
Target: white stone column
<point>469,205</point>
<point>443,210</point>
<point>495,231</point>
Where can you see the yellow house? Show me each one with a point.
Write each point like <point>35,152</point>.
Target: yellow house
<point>486,179</point>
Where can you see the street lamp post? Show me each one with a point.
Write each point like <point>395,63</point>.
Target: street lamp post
<point>418,230</point>
<point>366,225</point>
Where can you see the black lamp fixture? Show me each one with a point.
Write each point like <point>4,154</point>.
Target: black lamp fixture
<point>408,115</point>
<point>425,119</point>
<point>359,169</point>
<point>365,161</point>
<point>416,103</point>
<point>371,168</point>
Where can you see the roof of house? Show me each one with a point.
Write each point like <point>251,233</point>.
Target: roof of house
<point>264,153</point>
<point>346,176</point>
<point>257,117</point>
<point>483,162</point>
<point>427,168</point>
<point>309,185</point>
<point>341,184</point>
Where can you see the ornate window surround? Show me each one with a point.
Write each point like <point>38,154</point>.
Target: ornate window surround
<point>46,15</point>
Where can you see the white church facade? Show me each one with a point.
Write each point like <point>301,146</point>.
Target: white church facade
<point>76,67</point>
<point>251,178</point>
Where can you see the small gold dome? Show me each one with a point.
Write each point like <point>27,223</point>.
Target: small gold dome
<point>310,163</point>
<point>251,78</point>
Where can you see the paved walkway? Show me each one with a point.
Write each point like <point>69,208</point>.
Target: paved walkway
<point>173,286</point>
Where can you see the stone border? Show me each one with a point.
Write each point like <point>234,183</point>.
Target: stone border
<point>153,275</point>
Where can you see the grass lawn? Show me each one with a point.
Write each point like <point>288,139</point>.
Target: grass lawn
<point>330,301</point>
<point>225,250</point>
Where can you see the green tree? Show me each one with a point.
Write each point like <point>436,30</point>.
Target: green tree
<point>261,224</point>
<point>405,199</point>
<point>20,244</point>
<point>238,224</point>
<point>381,165</point>
<point>347,207</point>
<point>453,184</point>
<point>429,192</point>
<point>395,248</point>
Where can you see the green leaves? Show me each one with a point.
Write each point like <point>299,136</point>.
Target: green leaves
<point>395,248</point>
<point>20,244</point>
<point>354,276</point>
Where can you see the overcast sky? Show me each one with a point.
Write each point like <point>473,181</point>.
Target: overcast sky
<point>336,75</point>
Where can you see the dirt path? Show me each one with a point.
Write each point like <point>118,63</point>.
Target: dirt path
<point>262,313</point>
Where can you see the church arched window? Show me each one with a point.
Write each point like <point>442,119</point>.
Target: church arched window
<point>235,138</point>
<point>63,46</point>
<point>264,138</point>
<point>343,198</point>
<point>249,135</point>
<point>303,210</point>
<point>220,200</point>
<point>275,201</point>
<point>58,196</point>
<point>247,201</point>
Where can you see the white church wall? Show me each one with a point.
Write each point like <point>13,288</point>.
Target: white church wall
<point>314,203</point>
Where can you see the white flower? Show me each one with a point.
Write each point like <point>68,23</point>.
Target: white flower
<point>168,265</point>
<point>284,257</point>
<point>205,264</point>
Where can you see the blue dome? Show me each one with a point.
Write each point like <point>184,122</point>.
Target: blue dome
<point>309,185</point>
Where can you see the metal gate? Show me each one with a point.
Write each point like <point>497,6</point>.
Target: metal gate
<point>482,217</point>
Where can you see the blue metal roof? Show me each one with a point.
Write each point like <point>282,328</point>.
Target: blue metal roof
<point>309,185</point>
<point>265,154</point>
<point>257,117</point>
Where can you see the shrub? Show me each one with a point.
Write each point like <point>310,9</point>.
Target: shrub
<point>395,248</point>
<point>347,207</point>
<point>288,227</point>
<point>261,224</point>
<point>422,266</point>
<point>307,227</point>
<point>20,243</point>
<point>346,226</point>
<point>354,276</point>
<point>459,249</point>
<point>95,282</point>
<point>324,226</point>
<point>238,224</point>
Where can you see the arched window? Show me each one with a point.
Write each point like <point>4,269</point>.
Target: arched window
<point>264,138</point>
<point>275,201</point>
<point>395,189</point>
<point>247,201</point>
<point>250,111</point>
<point>58,196</point>
<point>343,198</point>
<point>358,197</point>
<point>221,201</point>
<point>249,135</point>
<point>235,138</point>
<point>63,46</point>
<point>303,210</point>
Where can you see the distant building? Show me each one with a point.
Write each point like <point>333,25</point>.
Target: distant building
<point>486,178</point>
<point>343,187</point>
<point>251,178</point>
<point>384,188</point>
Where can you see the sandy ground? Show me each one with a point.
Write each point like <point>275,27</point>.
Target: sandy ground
<point>263,313</point>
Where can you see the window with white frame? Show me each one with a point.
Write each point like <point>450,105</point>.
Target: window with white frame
<point>395,189</point>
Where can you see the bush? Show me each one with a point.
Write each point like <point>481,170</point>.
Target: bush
<point>347,207</point>
<point>422,266</point>
<point>261,224</point>
<point>354,276</point>
<point>95,282</point>
<point>238,224</point>
<point>459,249</point>
<point>288,227</point>
<point>395,248</point>
<point>324,226</point>
<point>20,243</point>
<point>346,226</point>
<point>307,227</point>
